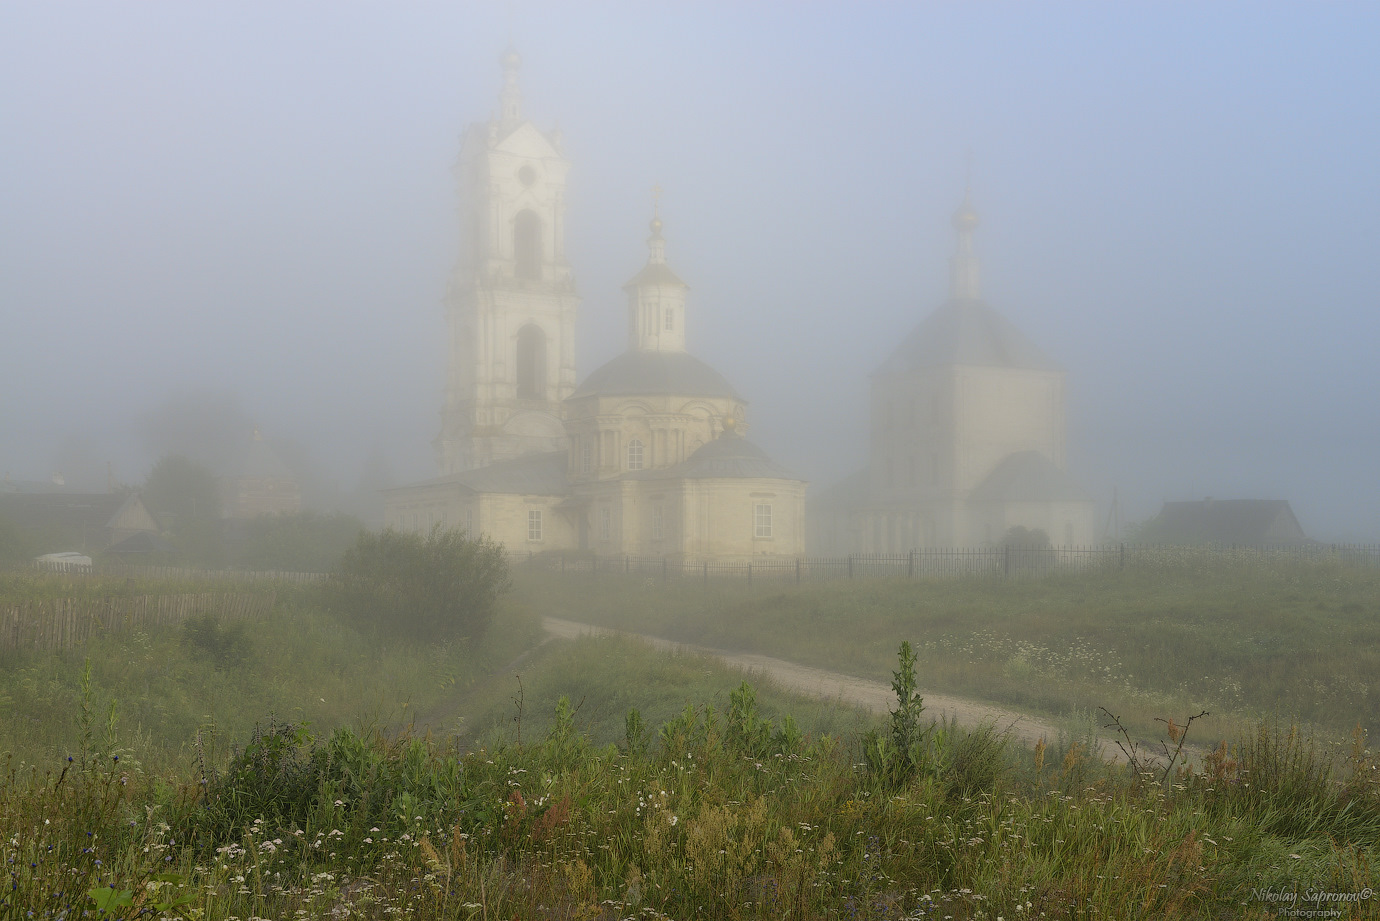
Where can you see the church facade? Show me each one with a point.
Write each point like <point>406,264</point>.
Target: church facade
<point>647,455</point>
<point>967,436</point>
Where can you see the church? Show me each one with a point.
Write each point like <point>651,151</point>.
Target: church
<point>967,436</point>
<point>648,455</point>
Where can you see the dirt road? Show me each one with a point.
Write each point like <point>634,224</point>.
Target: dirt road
<point>816,682</point>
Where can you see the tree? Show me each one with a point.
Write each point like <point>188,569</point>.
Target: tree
<point>182,495</point>
<point>305,542</point>
<point>438,586</point>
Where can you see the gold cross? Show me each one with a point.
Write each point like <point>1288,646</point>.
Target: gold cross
<point>656,201</point>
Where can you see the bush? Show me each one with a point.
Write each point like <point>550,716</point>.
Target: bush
<point>1022,538</point>
<point>226,645</point>
<point>439,586</point>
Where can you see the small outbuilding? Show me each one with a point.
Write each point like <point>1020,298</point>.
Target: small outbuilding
<point>1225,522</point>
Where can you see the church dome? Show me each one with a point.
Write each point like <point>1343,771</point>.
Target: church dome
<point>646,373</point>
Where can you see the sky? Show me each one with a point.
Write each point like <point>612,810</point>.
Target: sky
<point>253,203</point>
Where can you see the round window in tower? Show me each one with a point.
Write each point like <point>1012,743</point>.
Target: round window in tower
<point>527,175</point>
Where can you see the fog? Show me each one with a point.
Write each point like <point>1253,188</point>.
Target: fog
<point>250,207</point>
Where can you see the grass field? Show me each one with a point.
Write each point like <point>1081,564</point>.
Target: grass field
<point>598,779</point>
<point>1295,641</point>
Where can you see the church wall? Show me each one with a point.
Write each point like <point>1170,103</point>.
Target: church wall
<point>1000,411</point>
<point>719,518</point>
<point>911,457</point>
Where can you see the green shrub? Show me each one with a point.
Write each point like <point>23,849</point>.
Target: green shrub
<point>226,645</point>
<point>438,586</point>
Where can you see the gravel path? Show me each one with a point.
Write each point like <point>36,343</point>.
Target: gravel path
<point>816,682</point>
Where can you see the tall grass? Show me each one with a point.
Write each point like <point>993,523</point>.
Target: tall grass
<point>702,822</point>
<point>168,684</point>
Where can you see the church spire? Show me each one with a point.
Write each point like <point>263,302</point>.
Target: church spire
<point>963,268</point>
<point>510,97</point>
<point>656,297</point>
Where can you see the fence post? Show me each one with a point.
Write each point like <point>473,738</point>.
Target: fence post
<point>797,570</point>
<point>627,564</point>
<point>850,565</point>
<point>706,572</point>
<point>749,573</point>
<point>910,565</point>
<point>1006,562</point>
<point>1122,554</point>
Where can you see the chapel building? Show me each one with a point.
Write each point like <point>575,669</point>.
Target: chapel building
<point>968,436</point>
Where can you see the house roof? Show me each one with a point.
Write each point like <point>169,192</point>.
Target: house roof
<point>62,510</point>
<point>1225,521</point>
<point>966,332</point>
<point>1028,476</point>
<point>729,456</point>
<point>640,373</point>
<point>529,475</point>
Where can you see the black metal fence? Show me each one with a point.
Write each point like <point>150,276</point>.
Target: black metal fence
<point>951,562</point>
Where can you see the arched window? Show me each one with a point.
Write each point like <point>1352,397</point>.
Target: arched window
<point>634,455</point>
<point>527,244</point>
<point>531,363</point>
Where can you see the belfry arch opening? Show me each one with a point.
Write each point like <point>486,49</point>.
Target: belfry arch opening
<point>527,244</point>
<point>531,363</point>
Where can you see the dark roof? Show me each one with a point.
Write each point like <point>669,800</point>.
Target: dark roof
<point>1028,476</point>
<point>966,332</point>
<point>637,372</point>
<point>1225,521</point>
<point>529,475</point>
<point>63,510</point>
<point>729,456</point>
<point>656,273</point>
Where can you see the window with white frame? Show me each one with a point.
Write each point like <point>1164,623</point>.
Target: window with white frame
<point>534,524</point>
<point>586,454</point>
<point>658,522</point>
<point>606,524</point>
<point>761,519</point>
<point>635,455</point>
<point>670,318</point>
<point>469,522</point>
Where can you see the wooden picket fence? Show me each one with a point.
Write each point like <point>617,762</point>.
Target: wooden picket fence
<point>65,623</point>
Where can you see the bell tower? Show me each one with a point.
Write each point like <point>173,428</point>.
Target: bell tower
<point>511,303</point>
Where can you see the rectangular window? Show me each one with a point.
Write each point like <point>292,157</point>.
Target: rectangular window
<point>534,524</point>
<point>670,319</point>
<point>586,455</point>
<point>657,522</point>
<point>761,519</point>
<point>469,523</point>
<point>635,455</point>
<point>605,524</point>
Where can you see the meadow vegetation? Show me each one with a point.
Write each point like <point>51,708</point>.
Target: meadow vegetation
<point>1246,638</point>
<point>313,764</point>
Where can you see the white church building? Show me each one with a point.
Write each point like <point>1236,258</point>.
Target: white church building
<point>647,455</point>
<point>967,436</point>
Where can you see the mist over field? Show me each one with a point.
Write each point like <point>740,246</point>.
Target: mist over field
<point>246,212</point>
